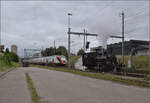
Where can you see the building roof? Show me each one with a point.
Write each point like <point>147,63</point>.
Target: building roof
<point>132,41</point>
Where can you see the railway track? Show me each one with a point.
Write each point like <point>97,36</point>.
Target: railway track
<point>125,72</point>
<point>133,73</point>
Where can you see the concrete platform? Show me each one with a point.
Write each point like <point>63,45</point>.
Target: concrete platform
<point>13,88</point>
<point>61,87</point>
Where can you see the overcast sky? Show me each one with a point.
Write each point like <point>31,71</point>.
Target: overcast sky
<point>36,24</point>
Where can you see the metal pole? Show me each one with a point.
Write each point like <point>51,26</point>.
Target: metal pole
<point>24,53</point>
<point>131,60</point>
<point>54,48</point>
<point>84,41</point>
<point>69,47</point>
<point>122,37</point>
<point>0,27</point>
<point>0,38</point>
<point>86,37</point>
<point>69,29</point>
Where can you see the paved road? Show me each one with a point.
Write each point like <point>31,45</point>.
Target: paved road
<point>13,88</point>
<point>60,87</point>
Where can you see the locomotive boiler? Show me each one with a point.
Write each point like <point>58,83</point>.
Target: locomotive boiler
<point>100,60</point>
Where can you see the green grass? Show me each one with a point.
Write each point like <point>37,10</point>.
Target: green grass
<point>4,66</point>
<point>1,55</point>
<point>139,62</point>
<point>103,76</point>
<point>73,60</point>
<point>32,89</point>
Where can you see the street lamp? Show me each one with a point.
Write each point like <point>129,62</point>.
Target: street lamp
<point>69,29</point>
<point>69,14</point>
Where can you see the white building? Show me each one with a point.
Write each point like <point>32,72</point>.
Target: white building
<point>14,49</point>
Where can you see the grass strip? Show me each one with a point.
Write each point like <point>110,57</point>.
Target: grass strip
<point>140,62</point>
<point>7,69</point>
<point>32,89</point>
<point>110,77</point>
<point>6,72</point>
<point>4,67</point>
<point>73,60</point>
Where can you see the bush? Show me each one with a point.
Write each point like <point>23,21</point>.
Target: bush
<point>6,59</point>
<point>80,52</point>
<point>74,60</point>
<point>9,57</point>
<point>13,57</point>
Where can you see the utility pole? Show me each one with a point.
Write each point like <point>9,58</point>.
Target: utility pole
<point>0,38</point>
<point>54,48</point>
<point>0,30</point>
<point>85,36</point>
<point>84,41</point>
<point>25,53</point>
<point>122,14</point>
<point>69,29</point>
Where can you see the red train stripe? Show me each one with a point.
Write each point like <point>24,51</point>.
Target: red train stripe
<point>61,62</point>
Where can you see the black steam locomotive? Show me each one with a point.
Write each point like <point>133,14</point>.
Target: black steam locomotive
<point>100,60</point>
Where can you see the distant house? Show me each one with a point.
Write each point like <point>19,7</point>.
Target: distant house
<point>141,47</point>
<point>1,48</point>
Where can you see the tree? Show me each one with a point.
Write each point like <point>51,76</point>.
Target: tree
<point>48,51</point>
<point>80,52</point>
<point>6,59</point>
<point>61,50</point>
<point>7,50</point>
<point>13,57</point>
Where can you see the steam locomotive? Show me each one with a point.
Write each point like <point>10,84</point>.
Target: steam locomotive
<point>100,60</point>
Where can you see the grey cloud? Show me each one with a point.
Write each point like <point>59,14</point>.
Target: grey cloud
<point>28,23</point>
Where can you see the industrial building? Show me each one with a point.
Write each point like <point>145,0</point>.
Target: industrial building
<point>141,47</point>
